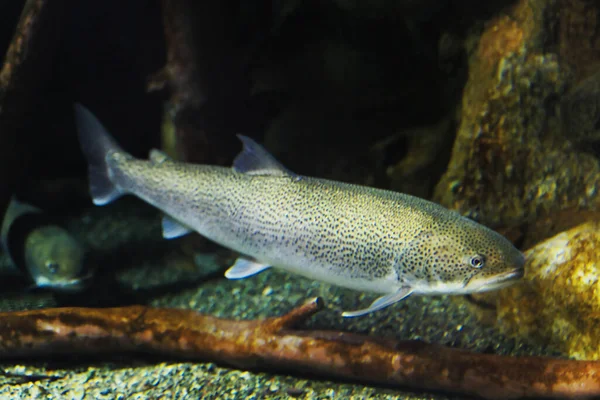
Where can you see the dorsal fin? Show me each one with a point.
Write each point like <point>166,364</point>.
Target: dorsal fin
<point>256,160</point>
<point>159,157</point>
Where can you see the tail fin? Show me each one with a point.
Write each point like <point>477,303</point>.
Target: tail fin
<point>97,144</point>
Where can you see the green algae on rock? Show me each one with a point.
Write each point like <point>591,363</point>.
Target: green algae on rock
<point>558,302</point>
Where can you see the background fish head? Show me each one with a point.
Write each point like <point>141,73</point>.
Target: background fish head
<point>54,258</point>
<point>464,258</point>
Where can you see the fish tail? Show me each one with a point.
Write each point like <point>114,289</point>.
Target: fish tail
<point>97,145</point>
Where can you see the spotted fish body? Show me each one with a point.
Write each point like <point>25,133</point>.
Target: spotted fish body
<point>353,236</point>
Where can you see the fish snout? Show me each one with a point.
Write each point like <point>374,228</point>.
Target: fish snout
<point>498,280</point>
<point>519,271</point>
<point>515,273</point>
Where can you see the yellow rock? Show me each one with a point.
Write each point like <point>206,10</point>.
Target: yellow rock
<point>558,302</point>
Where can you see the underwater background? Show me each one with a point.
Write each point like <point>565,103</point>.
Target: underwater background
<point>488,108</point>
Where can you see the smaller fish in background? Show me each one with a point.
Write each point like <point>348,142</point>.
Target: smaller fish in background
<point>46,252</point>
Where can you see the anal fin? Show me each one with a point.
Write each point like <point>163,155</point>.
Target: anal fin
<point>380,303</point>
<point>243,268</point>
<point>172,229</point>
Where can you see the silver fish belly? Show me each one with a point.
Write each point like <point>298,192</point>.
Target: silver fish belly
<point>354,236</point>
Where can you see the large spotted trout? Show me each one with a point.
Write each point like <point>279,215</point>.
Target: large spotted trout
<point>358,237</point>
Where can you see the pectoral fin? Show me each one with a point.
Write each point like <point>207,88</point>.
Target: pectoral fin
<point>172,229</point>
<point>380,303</point>
<point>243,268</point>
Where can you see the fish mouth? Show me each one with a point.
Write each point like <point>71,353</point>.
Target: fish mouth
<point>513,275</point>
<point>66,285</point>
<point>497,282</point>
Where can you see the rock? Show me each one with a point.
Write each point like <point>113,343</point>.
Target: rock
<point>425,160</point>
<point>581,111</point>
<point>514,160</point>
<point>558,303</point>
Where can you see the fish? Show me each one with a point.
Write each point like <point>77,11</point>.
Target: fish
<point>43,250</point>
<point>358,237</point>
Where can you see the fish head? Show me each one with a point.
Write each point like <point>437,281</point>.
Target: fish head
<point>54,259</point>
<point>465,258</point>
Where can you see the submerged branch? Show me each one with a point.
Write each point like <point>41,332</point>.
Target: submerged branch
<point>26,67</point>
<point>274,343</point>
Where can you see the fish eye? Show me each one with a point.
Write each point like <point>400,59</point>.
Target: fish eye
<point>52,266</point>
<point>477,261</point>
